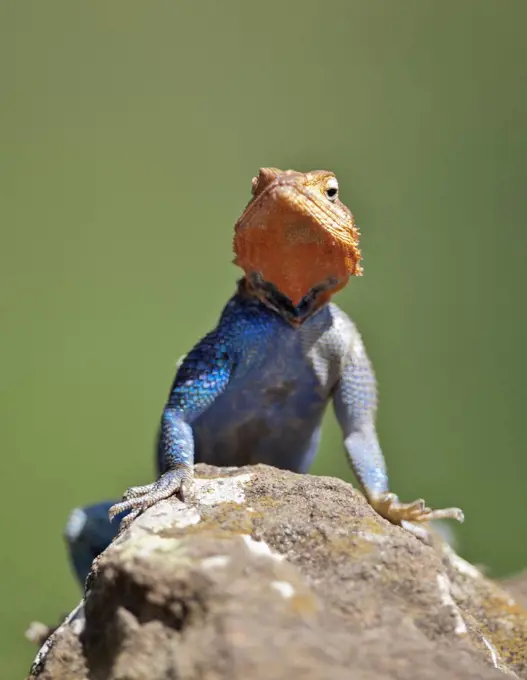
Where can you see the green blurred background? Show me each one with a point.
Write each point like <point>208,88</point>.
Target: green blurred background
<point>130,134</point>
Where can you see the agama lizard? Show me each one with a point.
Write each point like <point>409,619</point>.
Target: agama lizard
<point>254,389</point>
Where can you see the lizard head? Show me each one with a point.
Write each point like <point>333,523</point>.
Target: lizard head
<point>296,234</point>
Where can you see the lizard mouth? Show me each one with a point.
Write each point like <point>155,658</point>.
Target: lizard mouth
<point>294,236</point>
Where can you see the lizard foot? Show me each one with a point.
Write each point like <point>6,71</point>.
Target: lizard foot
<point>139,498</point>
<point>390,507</point>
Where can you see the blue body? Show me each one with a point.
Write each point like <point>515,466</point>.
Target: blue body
<point>254,390</point>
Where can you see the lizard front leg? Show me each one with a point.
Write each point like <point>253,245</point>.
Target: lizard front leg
<point>355,403</point>
<point>178,454</point>
<point>203,375</point>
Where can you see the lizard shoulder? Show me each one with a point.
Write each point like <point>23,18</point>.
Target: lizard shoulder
<point>337,343</point>
<point>347,336</point>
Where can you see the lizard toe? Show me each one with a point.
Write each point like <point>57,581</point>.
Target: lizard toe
<point>390,507</point>
<point>139,498</point>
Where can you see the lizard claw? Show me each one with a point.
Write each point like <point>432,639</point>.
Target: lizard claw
<point>139,498</point>
<point>390,507</point>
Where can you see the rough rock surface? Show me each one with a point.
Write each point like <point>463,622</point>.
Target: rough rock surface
<point>517,586</point>
<point>270,574</point>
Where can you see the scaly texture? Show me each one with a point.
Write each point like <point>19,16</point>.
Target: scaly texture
<point>296,232</point>
<point>254,390</point>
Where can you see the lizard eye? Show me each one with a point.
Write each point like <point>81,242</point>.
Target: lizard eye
<point>332,189</point>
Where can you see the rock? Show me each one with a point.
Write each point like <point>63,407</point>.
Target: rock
<point>517,586</point>
<point>269,574</point>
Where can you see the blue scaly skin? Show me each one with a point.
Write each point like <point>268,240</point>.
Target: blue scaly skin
<point>254,390</point>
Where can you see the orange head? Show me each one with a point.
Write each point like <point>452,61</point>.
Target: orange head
<point>296,233</point>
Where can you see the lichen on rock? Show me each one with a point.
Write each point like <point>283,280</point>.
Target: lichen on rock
<point>269,574</point>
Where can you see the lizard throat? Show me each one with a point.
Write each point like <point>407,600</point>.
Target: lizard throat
<point>267,293</point>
